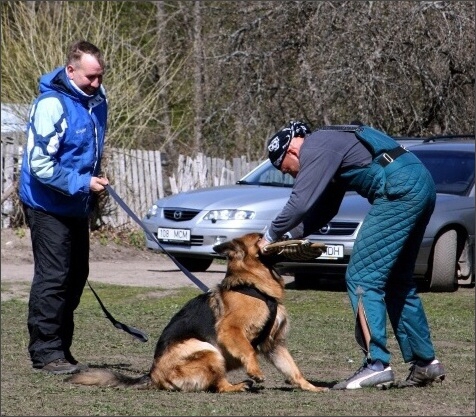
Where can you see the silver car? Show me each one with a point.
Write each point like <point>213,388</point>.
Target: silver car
<point>189,224</point>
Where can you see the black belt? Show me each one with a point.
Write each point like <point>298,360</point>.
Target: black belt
<point>389,156</point>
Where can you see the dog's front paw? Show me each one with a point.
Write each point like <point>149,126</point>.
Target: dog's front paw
<point>307,386</point>
<point>320,389</point>
<point>247,384</point>
<point>257,377</point>
<point>243,386</point>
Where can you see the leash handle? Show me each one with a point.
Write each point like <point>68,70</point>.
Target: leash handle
<point>121,202</point>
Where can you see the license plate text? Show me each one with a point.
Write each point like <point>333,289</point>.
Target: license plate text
<point>333,252</point>
<point>175,235</point>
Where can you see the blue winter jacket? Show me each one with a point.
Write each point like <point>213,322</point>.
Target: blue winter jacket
<point>65,141</point>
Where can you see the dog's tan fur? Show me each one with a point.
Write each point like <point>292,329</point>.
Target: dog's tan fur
<point>191,364</point>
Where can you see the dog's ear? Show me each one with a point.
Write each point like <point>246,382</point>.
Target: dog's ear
<point>240,247</point>
<point>233,249</point>
<point>222,247</point>
<point>225,248</point>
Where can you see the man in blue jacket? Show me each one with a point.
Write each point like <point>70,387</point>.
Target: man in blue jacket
<point>328,162</point>
<point>59,180</point>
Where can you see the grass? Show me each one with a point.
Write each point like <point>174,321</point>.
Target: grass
<point>321,341</point>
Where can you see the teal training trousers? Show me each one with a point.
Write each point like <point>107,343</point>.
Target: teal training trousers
<point>380,271</point>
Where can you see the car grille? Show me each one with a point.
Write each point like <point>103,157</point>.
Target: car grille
<point>338,229</point>
<point>180,215</point>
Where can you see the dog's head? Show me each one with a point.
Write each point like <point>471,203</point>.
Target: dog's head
<point>247,266</point>
<point>247,246</point>
<point>238,248</point>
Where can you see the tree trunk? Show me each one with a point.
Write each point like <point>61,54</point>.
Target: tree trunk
<point>197,77</point>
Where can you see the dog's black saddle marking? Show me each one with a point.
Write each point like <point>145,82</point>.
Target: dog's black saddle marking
<point>194,320</point>
<point>272,304</point>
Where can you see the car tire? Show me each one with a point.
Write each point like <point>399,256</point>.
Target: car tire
<point>195,264</point>
<point>443,271</point>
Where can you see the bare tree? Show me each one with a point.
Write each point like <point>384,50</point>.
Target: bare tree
<point>405,67</point>
<point>228,74</point>
<point>197,77</point>
<point>162,73</point>
<point>35,36</point>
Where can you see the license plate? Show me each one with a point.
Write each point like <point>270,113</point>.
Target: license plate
<point>173,235</point>
<point>333,252</point>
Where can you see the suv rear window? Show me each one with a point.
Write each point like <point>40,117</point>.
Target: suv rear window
<point>452,171</point>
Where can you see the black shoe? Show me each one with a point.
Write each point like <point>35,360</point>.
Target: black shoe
<point>425,375</point>
<point>60,367</point>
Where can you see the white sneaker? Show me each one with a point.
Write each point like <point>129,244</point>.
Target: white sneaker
<point>366,377</point>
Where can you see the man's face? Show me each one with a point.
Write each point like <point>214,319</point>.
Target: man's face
<point>290,164</point>
<point>87,74</point>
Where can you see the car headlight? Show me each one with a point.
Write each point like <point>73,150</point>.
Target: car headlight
<point>152,211</point>
<point>226,214</point>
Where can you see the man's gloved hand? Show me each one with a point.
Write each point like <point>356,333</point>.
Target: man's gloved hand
<point>295,249</point>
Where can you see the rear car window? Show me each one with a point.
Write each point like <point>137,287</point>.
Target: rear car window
<point>452,171</point>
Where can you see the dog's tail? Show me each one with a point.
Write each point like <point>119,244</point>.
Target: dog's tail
<point>109,378</point>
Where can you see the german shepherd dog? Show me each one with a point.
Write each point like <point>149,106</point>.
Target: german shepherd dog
<point>219,331</point>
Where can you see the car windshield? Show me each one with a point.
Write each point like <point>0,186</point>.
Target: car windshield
<point>452,171</point>
<point>267,174</point>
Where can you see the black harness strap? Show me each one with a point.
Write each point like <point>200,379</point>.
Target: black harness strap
<point>272,304</point>
<point>390,156</point>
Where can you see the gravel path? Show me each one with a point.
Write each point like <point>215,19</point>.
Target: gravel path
<point>110,263</point>
<point>160,272</point>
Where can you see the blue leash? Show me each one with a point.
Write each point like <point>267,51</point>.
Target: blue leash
<point>139,334</point>
<point>192,277</point>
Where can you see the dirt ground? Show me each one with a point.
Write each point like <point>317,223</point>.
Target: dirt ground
<point>16,249</point>
<point>109,263</point>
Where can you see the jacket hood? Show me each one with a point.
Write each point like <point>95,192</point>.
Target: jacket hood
<point>57,80</point>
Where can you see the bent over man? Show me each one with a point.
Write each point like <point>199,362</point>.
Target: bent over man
<point>325,164</point>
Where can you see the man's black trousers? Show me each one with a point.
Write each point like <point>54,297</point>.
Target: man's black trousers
<point>61,256</point>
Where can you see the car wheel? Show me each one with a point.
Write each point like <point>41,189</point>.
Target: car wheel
<point>443,274</point>
<point>195,264</point>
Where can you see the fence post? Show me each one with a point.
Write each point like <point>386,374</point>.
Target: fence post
<point>11,158</point>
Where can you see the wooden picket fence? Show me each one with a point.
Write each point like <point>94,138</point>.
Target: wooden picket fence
<point>136,175</point>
